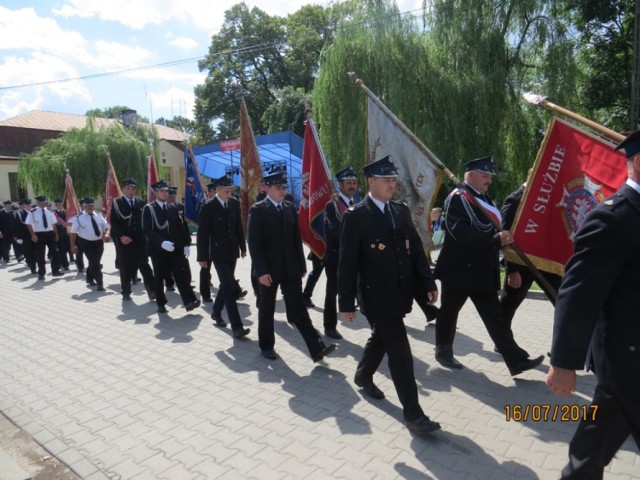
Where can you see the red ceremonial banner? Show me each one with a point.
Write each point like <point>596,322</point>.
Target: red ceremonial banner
<point>574,172</point>
<point>152,178</point>
<point>111,190</point>
<point>70,202</point>
<point>317,191</point>
<point>250,166</point>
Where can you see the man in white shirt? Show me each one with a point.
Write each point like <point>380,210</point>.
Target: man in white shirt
<point>40,221</point>
<point>91,230</point>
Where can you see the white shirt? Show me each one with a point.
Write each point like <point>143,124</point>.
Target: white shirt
<point>378,203</point>
<point>275,204</point>
<point>34,218</point>
<point>84,228</point>
<point>222,202</point>
<point>633,184</point>
<point>346,199</point>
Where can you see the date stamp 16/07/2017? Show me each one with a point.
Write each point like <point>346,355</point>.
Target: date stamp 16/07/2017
<point>541,412</point>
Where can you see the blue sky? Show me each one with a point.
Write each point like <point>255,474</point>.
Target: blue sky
<point>42,41</point>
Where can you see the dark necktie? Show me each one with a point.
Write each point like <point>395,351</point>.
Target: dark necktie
<point>224,205</point>
<point>96,230</point>
<point>44,219</point>
<point>164,207</point>
<point>131,203</point>
<point>387,213</point>
<point>351,203</point>
<point>279,208</point>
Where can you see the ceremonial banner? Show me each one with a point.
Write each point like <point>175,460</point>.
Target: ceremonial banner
<point>574,172</point>
<point>317,191</point>
<point>111,190</point>
<point>194,196</point>
<point>418,179</point>
<point>250,166</point>
<point>152,177</point>
<point>70,202</point>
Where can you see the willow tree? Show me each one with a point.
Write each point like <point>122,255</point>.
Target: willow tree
<point>455,80</point>
<point>85,152</point>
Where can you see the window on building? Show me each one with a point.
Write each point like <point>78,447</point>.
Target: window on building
<point>16,192</point>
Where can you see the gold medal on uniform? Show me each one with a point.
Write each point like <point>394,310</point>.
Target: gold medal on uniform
<point>381,246</point>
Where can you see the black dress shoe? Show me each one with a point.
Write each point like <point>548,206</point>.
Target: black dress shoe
<point>192,305</point>
<point>525,365</point>
<point>162,309</point>
<point>449,361</point>
<point>241,295</point>
<point>308,302</point>
<point>207,300</point>
<point>422,425</point>
<point>126,297</point>
<point>57,274</point>
<point>241,332</point>
<point>171,288</point>
<point>326,351</point>
<point>101,289</point>
<point>270,354</point>
<point>370,389</point>
<point>431,313</point>
<point>91,283</point>
<point>333,333</point>
<point>216,317</point>
<point>40,277</point>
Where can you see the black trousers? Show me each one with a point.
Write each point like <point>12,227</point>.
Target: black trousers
<point>47,240</point>
<point>296,313</point>
<point>511,298</point>
<point>227,292</point>
<point>79,255</point>
<point>5,244</point>
<point>330,313</point>
<point>205,281</point>
<point>93,249</point>
<point>64,250</point>
<point>488,308</point>
<point>314,275</point>
<point>131,258</point>
<point>598,439</point>
<point>29,252</point>
<point>171,263</point>
<point>389,335</point>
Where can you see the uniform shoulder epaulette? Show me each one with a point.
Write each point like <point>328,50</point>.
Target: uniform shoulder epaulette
<point>613,200</point>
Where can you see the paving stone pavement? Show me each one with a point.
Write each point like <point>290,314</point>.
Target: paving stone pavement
<point>116,391</point>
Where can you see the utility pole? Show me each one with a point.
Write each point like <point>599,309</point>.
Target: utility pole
<point>634,114</point>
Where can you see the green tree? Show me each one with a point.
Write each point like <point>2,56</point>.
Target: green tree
<point>605,44</point>
<point>112,112</point>
<point>287,112</point>
<point>85,152</point>
<point>456,80</point>
<point>179,123</point>
<point>262,55</point>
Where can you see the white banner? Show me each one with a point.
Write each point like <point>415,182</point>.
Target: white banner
<point>418,179</point>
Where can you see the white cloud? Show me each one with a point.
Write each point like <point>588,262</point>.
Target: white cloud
<point>115,56</point>
<point>183,43</point>
<point>172,100</point>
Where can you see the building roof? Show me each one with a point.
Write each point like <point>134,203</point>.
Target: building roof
<point>27,131</point>
<point>63,122</point>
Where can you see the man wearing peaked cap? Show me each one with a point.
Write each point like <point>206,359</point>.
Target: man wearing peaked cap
<point>23,235</point>
<point>278,259</point>
<point>130,241</point>
<point>6,229</point>
<point>41,223</point>
<point>597,313</point>
<point>381,256</point>
<point>333,214</point>
<point>468,267</point>
<point>168,241</point>
<point>90,230</point>
<point>221,241</point>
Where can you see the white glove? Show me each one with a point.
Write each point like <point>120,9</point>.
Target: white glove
<point>19,241</point>
<point>168,246</point>
<point>187,251</point>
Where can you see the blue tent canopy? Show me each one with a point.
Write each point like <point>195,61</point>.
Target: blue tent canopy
<point>275,149</point>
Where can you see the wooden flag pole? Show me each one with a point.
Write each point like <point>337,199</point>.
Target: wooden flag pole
<point>542,102</point>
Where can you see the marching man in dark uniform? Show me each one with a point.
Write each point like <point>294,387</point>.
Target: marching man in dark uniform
<point>333,214</point>
<point>23,234</point>
<point>64,248</point>
<point>41,223</point>
<point>278,259</point>
<point>221,240</point>
<point>468,267</point>
<point>168,240</point>
<point>597,309</point>
<point>129,239</point>
<point>91,230</point>
<point>7,219</point>
<point>381,255</point>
